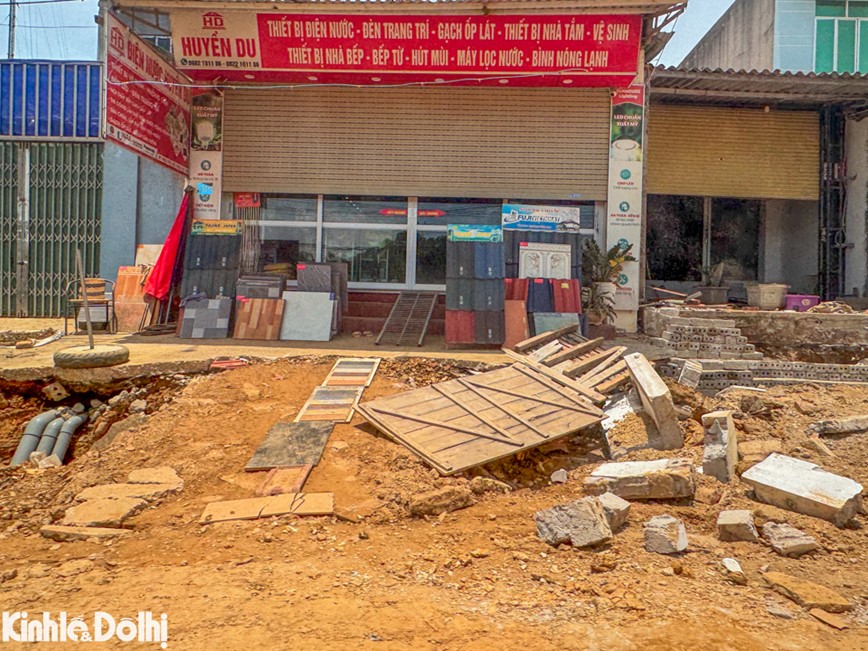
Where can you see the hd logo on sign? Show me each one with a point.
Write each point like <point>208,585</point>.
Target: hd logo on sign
<point>103,627</point>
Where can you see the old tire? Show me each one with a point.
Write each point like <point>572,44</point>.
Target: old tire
<point>84,357</point>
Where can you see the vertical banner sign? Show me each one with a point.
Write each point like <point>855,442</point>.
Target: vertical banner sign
<point>206,154</point>
<point>147,105</point>
<point>624,227</point>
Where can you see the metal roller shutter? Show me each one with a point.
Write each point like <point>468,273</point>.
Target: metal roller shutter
<point>739,153</point>
<point>458,142</point>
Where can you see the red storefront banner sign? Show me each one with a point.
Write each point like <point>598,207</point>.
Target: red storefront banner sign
<point>247,200</point>
<point>147,107</point>
<point>526,50</point>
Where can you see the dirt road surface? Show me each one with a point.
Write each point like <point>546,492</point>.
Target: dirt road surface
<point>477,578</point>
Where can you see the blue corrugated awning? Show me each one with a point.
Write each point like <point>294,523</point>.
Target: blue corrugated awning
<point>50,100</point>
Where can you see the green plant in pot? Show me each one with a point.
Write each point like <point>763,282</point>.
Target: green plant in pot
<point>601,275</point>
<point>714,292</point>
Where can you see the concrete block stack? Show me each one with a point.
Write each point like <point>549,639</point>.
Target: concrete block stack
<point>705,339</point>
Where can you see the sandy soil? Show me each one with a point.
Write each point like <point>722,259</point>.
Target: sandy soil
<point>476,578</point>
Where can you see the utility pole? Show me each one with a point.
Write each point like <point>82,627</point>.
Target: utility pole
<point>13,7</point>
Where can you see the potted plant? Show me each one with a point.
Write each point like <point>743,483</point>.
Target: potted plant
<point>598,306</point>
<point>714,292</point>
<point>605,270</point>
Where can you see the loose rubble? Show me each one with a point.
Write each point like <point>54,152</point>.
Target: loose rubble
<point>582,523</point>
<point>665,535</point>
<point>736,525</point>
<point>644,480</point>
<point>787,540</point>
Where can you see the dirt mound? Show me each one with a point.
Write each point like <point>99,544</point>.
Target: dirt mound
<point>479,577</point>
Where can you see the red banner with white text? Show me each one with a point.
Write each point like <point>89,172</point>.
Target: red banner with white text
<point>147,107</point>
<point>529,50</point>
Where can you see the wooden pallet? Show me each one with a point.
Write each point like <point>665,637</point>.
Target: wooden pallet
<point>471,421</point>
<point>573,361</point>
<point>409,319</point>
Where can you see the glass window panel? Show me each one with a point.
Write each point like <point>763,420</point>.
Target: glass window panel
<point>858,9</point>
<point>825,46</point>
<point>675,237</point>
<point>288,208</point>
<point>430,258</point>
<point>735,237</point>
<point>283,247</point>
<point>863,46</point>
<point>365,210</point>
<point>846,46</point>
<point>831,7</point>
<point>442,212</point>
<point>372,256</point>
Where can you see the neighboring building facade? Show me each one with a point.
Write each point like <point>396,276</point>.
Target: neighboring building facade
<point>812,36</point>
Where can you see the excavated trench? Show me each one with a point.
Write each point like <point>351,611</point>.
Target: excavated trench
<point>105,403</point>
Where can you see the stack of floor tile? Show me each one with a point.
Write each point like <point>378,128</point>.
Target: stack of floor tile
<point>211,265</point>
<point>474,293</point>
<point>258,318</point>
<point>129,298</point>
<point>706,339</point>
<point>313,311</point>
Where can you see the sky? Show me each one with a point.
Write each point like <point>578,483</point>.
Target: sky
<point>65,30</point>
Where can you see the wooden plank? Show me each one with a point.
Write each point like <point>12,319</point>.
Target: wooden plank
<point>573,352</point>
<point>600,376</point>
<point>613,383</point>
<point>265,507</point>
<point>466,406</point>
<point>280,481</point>
<point>544,338</point>
<point>291,444</point>
<point>493,387</point>
<point>590,394</point>
<point>542,352</point>
<point>590,378</point>
<point>586,365</point>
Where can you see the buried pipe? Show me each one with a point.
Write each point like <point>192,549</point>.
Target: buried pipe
<point>31,437</point>
<point>65,436</point>
<point>49,436</point>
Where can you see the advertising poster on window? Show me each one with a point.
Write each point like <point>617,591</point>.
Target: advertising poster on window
<point>474,233</point>
<point>624,227</point>
<point>525,50</point>
<point>520,217</point>
<point>206,154</point>
<point>147,102</point>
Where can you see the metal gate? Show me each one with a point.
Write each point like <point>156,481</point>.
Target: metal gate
<point>50,197</point>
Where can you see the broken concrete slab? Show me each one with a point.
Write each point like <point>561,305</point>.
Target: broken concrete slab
<point>266,507</point>
<point>617,510</point>
<point>830,619</point>
<point>149,492</point>
<point>732,570</point>
<point>788,541</point>
<point>662,479</point>
<point>582,523</point>
<point>840,426</point>
<point>736,525</point>
<point>62,533</point>
<point>721,446</point>
<point>559,477</point>
<point>103,513</point>
<point>657,401</point>
<point>160,475</point>
<point>691,374</point>
<point>806,594</point>
<point>804,487</point>
<point>442,500</point>
<point>665,535</point>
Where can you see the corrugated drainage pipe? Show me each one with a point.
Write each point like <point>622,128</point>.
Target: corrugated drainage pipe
<point>30,439</point>
<point>49,436</point>
<point>66,432</point>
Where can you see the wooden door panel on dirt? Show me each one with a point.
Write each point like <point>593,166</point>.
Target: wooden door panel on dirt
<point>467,422</point>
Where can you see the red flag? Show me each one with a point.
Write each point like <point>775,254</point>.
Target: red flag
<point>160,281</point>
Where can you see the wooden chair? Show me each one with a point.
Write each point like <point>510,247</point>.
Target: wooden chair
<point>100,294</point>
